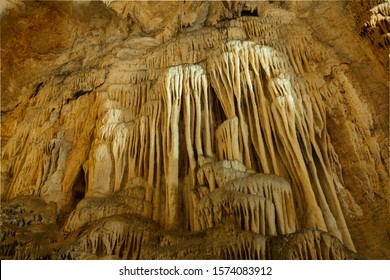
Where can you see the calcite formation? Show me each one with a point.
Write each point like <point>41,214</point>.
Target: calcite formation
<point>195,130</point>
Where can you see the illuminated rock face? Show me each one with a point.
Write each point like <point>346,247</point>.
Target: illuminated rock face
<point>218,130</point>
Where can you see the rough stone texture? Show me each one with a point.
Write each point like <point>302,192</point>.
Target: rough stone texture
<point>195,130</point>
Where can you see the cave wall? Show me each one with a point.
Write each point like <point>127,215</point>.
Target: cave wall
<point>171,130</point>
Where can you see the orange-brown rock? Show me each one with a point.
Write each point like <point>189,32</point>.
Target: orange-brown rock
<point>195,130</point>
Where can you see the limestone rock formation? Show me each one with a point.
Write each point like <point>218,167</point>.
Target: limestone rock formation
<point>195,130</point>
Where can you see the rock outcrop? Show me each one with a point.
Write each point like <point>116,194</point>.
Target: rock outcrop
<point>195,130</point>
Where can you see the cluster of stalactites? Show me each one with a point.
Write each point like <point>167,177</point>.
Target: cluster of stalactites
<point>146,143</point>
<point>378,29</point>
<point>185,92</point>
<point>281,118</point>
<point>273,122</point>
<point>270,119</point>
<point>116,237</point>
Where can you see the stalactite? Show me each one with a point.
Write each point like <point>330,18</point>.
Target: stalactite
<point>119,150</point>
<point>152,110</point>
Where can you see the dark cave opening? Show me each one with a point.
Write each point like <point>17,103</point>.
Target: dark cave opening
<point>247,13</point>
<point>77,194</point>
<point>78,189</point>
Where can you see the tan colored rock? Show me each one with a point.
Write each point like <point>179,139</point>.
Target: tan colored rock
<point>169,125</point>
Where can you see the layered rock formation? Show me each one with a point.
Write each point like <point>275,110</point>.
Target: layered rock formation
<point>187,130</point>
